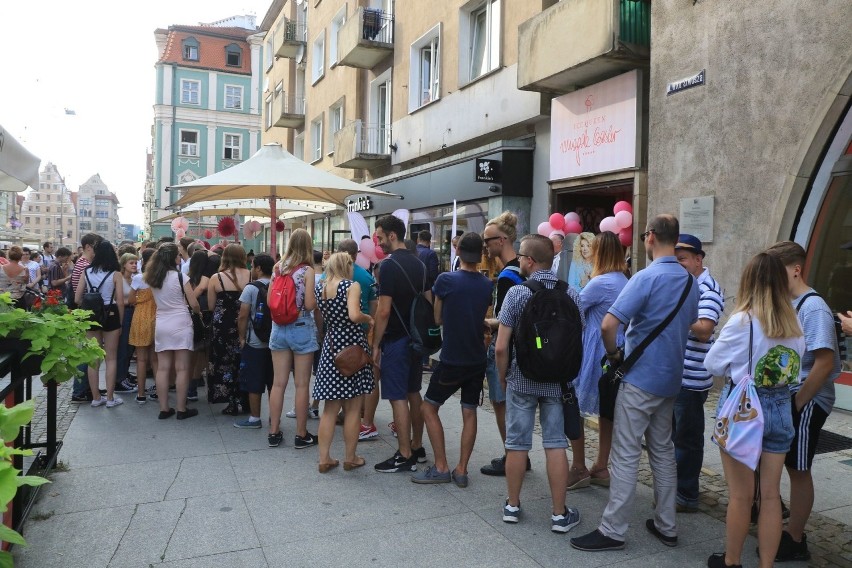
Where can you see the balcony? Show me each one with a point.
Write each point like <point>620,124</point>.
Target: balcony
<point>576,43</point>
<point>289,112</point>
<point>291,39</point>
<point>365,39</point>
<point>362,146</point>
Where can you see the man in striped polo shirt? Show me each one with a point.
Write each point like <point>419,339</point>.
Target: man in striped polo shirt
<point>688,431</point>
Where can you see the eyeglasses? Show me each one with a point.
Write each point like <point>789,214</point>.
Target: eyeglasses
<point>644,235</point>
<point>492,238</point>
<point>526,256</point>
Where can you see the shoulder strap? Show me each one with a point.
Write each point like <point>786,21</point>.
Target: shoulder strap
<point>637,352</point>
<point>409,279</point>
<point>185,299</point>
<point>513,273</point>
<point>533,285</point>
<point>805,297</point>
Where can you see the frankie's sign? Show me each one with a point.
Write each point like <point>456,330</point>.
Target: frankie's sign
<point>359,204</point>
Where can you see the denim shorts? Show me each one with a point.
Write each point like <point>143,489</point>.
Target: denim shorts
<point>495,389</point>
<point>299,337</point>
<point>255,370</point>
<point>778,428</point>
<point>402,370</point>
<point>520,421</point>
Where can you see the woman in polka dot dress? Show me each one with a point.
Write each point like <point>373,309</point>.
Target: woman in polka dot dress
<point>339,302</point>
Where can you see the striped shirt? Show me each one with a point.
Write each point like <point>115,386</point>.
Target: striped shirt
<point>711,304</point>
<point>510,315</point>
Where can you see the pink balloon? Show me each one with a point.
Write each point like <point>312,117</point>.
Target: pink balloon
<point>623,219</point>
<point>608,224</point>
<point>626,236</point>
<point>362,261</point>
<point>572,216</point>
<point>180,233</point>
<point>623,206</point>
<point>368,249</point>
<point>557,221</point>
<point>573,228</point>
<point>380,254</point>
<point>545,228</point>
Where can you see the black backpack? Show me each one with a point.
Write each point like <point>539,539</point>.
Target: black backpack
<point>92,299</point>
<point>424,333</point>
<point>548,340</point>
<point>262,326</point>
<point>838,327</point>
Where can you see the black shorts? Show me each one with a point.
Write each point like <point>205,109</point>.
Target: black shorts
<point>448,379</point>
<point>807,423</point>
<point>255,370</point>
<point>110,322</point>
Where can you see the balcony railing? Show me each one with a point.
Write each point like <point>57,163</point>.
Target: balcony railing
<point>365,39</point>
<point>596,40</point>
<point>290,111</point>
<point>361,145</point>
<point>291,38</point>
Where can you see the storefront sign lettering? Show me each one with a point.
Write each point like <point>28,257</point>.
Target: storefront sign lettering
<point>487,170</point>
<point>595,130</point>
<point>684,84</point>
<point>359,204</point>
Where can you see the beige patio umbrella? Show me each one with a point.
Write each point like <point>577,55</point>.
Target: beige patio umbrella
<point>273,173</point>
<point>250,208</point>
<point>18,168</point>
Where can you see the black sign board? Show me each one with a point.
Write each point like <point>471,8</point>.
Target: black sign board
<point>684,84</point>
<point>487,170</point>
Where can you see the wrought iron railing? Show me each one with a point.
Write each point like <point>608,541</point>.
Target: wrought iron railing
<point>378,25</point>
<point>291,105</point>
<point>372,138</point>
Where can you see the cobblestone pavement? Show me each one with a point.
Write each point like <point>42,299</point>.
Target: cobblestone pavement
<point>829,540</point>
<point>65,411</point>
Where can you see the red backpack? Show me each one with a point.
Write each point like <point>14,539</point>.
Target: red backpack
<point>282,298</point>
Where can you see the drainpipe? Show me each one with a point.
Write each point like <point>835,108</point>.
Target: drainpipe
<point>174,125</point>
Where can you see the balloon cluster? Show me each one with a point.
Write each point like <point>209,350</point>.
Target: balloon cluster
<point>620,223</point>
<point>251,229</point>
<point>227,226</point>
<point>369,252</point>
<point>558,224</point>
<point>179,227</point>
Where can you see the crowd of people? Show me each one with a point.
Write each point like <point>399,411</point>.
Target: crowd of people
<point>664,349</point>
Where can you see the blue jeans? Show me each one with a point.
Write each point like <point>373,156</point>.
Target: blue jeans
<point>125,350</point>
<point>688,438</point>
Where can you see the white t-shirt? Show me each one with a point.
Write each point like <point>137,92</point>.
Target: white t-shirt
<point>138,283</point>
<point>99,280</point>
<point>184,266</point>
<point>774,361</point>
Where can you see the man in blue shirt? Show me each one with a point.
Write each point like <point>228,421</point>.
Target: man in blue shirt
<point>646,397</point>
<point>428,257</point>
<point>461,300</point>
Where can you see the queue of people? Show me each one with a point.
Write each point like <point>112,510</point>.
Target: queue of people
<point>656,328</point>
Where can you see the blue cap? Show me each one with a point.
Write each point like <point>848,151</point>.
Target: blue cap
<point>690,243</point>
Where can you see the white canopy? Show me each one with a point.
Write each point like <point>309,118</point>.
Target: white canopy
<point>18,168</point>
<point>250,208</point>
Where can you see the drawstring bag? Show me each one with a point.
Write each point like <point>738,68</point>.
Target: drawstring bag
<point>739,423</point>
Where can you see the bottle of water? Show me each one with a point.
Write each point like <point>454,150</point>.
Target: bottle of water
<point>258,314</point>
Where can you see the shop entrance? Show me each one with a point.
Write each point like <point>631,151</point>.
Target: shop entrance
<point>439,222</point>
<point>593,203</point>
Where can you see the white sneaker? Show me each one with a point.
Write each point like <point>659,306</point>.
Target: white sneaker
<point>116,401</point>
<point>313,413</point>
<point>99,402</point>
<point>291,413</point>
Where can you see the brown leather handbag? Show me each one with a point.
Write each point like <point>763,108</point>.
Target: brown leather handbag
<point>352,359</point>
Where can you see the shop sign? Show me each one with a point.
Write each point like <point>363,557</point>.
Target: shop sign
<point>696,217</point>
<point>359,204</point>
<point>684,84</point>
<point>487,170</point>
<point>596,129</point>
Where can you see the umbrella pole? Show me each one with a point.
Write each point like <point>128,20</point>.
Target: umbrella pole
<point>274,215</point>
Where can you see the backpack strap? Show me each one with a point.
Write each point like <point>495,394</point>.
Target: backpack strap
<point>533,285</point>
<point>513,273</point>
<point>804,298</point>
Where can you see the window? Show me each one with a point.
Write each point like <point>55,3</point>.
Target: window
<point>70,221</point>
<point>316,139</point>
<point>425,79</point>
<point>299,146</point>
<point>233,55</point>
<point>38,220</point>
<point>190,49</point>
<point>233,97</point>
<point>102,202</point>
<point>85,201</point>
<point>318,58</point>
<point>268,52</point>
<point>480,40</point>
<point>189,143</point>
<point>47,220</point>
<point>335,122</point>
<point>102,214</point>
<point>85,225</point>
<point>102,227</point>
<point>47,209</point>
<point>336,24</point>
<point>190,92</point>
<point>232,146</point>
<point>268,106</point>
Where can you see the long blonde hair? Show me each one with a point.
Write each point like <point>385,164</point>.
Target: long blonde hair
<point>764,293</point>
<point>577,252</point>
<point>300,250</point>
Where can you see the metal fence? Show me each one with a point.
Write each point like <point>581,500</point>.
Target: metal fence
<point>291,105</point>
<point>378,25</point>
<point>372,138</point>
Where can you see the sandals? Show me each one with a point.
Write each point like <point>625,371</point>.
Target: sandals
<point>578,478</point>
<point>349,466</point>
<point>600,477</point>
<point>326,467</point>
